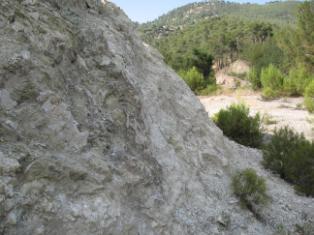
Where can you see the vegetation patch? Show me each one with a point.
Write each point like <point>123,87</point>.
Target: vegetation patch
<point>269,94</point>
<point>250,189</point>
<point>296,81</point>
<point>309,97</point>
<point>272,82</point>
<point>281,54</point>
<point>198,74</point>
<point>292,157</point>
<point>237,124</point>
<point>254,79</point>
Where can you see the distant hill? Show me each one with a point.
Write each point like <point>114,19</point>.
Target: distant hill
<point>226,30</point>
<point>281,12</point>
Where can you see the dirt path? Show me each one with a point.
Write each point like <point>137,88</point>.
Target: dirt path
<point>279,113</point>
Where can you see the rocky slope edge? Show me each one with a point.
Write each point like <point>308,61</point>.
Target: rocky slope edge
<point>99,136</point>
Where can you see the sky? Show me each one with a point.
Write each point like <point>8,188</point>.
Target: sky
<point>146,10</point>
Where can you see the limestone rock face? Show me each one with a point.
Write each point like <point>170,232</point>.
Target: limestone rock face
<point>99,136</point>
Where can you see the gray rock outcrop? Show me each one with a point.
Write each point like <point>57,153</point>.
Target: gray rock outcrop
<point>99,136</point>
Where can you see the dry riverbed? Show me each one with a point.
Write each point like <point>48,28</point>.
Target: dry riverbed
<point>277,113</point>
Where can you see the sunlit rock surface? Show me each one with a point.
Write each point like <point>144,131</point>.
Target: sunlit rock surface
<point>99,136</point>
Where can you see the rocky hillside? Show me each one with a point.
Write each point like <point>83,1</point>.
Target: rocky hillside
<point>99,136</point>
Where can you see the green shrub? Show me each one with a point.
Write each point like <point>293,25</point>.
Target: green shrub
<point>254,78</point>
<point>292,157</point>
<point>269,94</point>
<point>297,80</point>
<point>250,189</point>
<point>209,90</point>
<point>272,81</point>
<point>309,97</point>
<point>194,79</point>
<point>197,82</point>
<point>272,77</point>
<point>236,123</point>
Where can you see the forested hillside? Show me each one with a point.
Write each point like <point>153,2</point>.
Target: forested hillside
<point>276,39</point>
<point>274,12</point>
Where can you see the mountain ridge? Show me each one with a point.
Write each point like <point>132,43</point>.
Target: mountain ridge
<point>274,12</point>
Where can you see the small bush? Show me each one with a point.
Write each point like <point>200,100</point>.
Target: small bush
<point>209,90</point>
<point>296,82</point>
<point>272,82</point>
<point>236,123</point>
<point>269,94</point>
<point>272,77</point>
<point>250,189</point>
<point>194,79</point>
<point>292,157</point>
<point>309,97</point>
<point>254,78</point>
<point>198,83</point>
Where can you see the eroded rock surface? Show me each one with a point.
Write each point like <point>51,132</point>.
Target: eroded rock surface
<point>99,136</point>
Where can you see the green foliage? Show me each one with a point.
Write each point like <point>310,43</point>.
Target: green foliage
<point>276,38</point>
<point>263,54</point>
<point>269,94</point>
<point>295,83</point>
<point>309,97</point>
<point>306,33</point>
<point>298,43</point>
<point>236,123</point>
<point>193,78</point>
<point>197,82</point>
<point>275,83</point>
<point>271,77</point>
<point>254,78</point>
<point>209,90</point>
<point>250,189</point>
<point>276,12</point>
<point>261,31</point>
<point>197,45</point>
<point>272,82</point>
<point>223,38</point>
<point>292,157</point>
<point>202,61</point>
<point>244,31</point>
